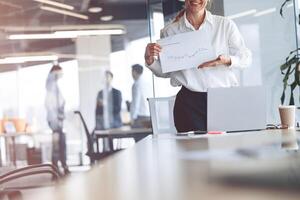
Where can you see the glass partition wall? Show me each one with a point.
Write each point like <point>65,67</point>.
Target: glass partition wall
<point>94,65</point>
<point>269,36</point>
<point>96,53</point>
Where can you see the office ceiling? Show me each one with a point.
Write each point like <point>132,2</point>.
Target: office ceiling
<point>27,13</point>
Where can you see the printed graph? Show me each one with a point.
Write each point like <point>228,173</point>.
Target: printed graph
<point>197,52</point>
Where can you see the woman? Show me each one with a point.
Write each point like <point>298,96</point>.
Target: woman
<point>190,108</point>
<point>55,104</point>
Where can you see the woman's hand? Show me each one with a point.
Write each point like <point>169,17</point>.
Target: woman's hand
<point>152,50</point>
<point>221,60</point>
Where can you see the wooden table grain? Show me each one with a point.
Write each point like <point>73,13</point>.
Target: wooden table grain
<point>175,168</point>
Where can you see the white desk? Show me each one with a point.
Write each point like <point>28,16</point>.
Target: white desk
<point>163,168</point>
<point>125,132</point>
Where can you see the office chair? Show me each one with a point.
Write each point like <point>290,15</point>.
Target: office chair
<point>14,181</point>
<point>93,154</point>
<point>161,112</point>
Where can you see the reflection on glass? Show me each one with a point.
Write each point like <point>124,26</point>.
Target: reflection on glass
<point>160,14</point>
<point>265,31</point>
<point>289,140</point>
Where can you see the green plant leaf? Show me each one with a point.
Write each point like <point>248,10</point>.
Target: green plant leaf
<point>293,86</point>
<point>290,67</point>
<point>282,97</point>
<point>289,63</point>
<point>292,101</point>
<point>285,84</point>
<point>286,75</point>
<point>297,73</point>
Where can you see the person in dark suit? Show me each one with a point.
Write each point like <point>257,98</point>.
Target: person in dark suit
<point>108,106</point>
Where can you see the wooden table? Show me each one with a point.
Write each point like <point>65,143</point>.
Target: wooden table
<point>179,168</point>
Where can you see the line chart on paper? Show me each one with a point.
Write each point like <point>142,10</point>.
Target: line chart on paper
<point>186,50</point>
<point>189,56</point>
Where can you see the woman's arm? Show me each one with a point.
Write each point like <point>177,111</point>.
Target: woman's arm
<point>151,55</point>
<point>240,55</point>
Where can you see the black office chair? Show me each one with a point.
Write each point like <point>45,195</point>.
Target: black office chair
<point>93,154</point>
<point>14,181</point>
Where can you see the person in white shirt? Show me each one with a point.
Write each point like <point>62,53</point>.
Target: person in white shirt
<point>139,110</point>
<point>190,107</point>
<point>55,106</point>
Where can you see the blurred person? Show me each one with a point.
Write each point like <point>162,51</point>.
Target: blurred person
<point>112,98</point>
<point>55,104</point>
<point>139,110</point>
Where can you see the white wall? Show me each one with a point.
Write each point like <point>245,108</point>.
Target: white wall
<point>270,38</point>
<point>93,59</point>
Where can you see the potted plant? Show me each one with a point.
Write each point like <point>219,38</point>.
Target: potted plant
<point>291,68</point>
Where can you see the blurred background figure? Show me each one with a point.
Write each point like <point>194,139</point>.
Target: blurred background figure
<point>108,107</point>
<point>139,110</point>
<point>55,104</point>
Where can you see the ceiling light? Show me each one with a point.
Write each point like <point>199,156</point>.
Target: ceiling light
<point>67,34</point>
<point>34,36</point>
<point>95,9</point>
<point>23,59</point>
<point>265,12</point>
<point>107,18</point>
<point>90,32</point>
<point>243,14</point>
<point>65,12</point>
<point>57,4</point>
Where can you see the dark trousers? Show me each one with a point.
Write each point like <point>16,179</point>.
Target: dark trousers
<point>141,122</point>
<point>59,150</point>
<point>190,111</point>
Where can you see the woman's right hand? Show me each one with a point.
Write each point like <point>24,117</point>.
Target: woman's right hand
<point>152,50</point>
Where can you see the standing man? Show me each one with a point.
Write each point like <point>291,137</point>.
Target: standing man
<point>139,110</point>
<point>108,106</point>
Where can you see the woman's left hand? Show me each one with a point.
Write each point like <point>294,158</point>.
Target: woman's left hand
<point>221,60</point>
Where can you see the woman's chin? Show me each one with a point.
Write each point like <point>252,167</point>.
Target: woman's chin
<point>196,9</point>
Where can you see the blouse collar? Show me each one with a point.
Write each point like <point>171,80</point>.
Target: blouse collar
<point>208,18</point>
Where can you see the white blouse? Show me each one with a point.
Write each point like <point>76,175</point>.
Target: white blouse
<point>226,40</point>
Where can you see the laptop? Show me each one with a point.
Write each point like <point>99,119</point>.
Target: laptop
<point>236,109</point>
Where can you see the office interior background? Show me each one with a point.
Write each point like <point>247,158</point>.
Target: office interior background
<point>126,26</point>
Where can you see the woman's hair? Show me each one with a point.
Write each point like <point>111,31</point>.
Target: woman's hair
<point>55,67</point>
<point>51,79</point>
<point>181,12</point>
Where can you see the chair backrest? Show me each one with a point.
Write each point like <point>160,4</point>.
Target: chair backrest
<point>32,176</point>
<point>90,143</point>
<point>161,111</point>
